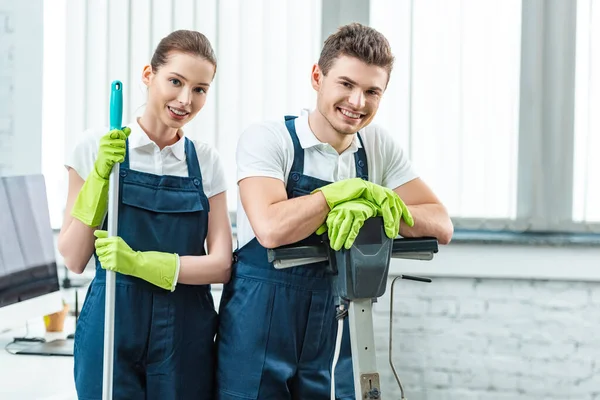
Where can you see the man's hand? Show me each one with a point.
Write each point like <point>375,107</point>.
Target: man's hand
<point>388,203</point>
<point>344,222</point>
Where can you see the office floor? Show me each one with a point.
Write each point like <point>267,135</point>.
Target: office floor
<point>26,377</point>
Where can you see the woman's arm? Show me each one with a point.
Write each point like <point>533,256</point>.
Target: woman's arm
<point>76,240</point>
<point>215,267</point>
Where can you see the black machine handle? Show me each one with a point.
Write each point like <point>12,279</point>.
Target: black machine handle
<point>402,248</point>
<point>359,272</point>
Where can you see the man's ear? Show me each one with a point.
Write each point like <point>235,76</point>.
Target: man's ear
<point>147,75</point>
<point>316,77</point>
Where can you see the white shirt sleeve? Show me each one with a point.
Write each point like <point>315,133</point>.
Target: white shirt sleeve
<point>213,172</point>
<point>262,151</point>
<point>397,168</point>
<point>83,156</point>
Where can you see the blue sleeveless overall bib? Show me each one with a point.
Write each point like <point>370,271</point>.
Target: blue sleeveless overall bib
<point>277,328</point>
<point>164,341</point>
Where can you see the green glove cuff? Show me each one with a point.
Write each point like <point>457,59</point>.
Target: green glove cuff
<point>341,191</point>
<point>160,269</point>
<point>92,201</point>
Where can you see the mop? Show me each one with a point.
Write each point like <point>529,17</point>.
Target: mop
<point>116,116</point>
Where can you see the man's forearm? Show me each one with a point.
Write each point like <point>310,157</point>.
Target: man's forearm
<point>292,220</point>
<point>431,220</point>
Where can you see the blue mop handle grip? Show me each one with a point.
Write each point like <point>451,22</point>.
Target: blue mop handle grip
<point>116,105</point>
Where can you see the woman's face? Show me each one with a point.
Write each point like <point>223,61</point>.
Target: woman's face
<point>177,90</point>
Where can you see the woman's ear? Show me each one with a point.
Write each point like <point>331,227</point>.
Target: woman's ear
<point>147,75</point>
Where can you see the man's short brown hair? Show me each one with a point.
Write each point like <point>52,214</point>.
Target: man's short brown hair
<point>359,41</point>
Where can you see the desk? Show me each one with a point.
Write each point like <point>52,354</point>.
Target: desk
<point>24,377</point>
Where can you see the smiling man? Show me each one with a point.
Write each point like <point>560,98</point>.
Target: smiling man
<point>327,169</point>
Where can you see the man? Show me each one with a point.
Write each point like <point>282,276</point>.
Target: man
<point>277,327</point>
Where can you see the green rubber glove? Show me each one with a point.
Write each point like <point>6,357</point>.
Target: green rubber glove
<point>388,203</point>
<point>152,266</point>
<point>92,200</point>
<point>345,220</point>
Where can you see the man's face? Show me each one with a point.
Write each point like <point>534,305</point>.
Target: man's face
<point>348,96</point>
<point>177,90</point>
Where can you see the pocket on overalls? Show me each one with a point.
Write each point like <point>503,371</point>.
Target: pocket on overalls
<point>160,214</point>
<point>161,200</point>
<point>206,312</point>
<point>87,312</point>
<point>244,328</point>
<point>88,345</point>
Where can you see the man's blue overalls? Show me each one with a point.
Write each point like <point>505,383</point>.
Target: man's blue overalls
<point>277,328</point>
<point>164,341</point>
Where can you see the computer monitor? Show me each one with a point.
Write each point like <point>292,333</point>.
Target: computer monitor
<point>29,286</point>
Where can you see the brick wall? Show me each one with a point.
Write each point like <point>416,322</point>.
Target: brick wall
<point>485,339</point>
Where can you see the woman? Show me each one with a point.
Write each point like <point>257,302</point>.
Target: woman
<point>165,320</point>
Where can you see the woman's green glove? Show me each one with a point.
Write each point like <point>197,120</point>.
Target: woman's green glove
<point>387,202</point>
<point>345,220</point>
<point>152,266</point>
<point>92,200</point>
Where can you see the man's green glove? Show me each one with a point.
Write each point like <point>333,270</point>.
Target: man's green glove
<point>388,203</point>
<point>152,266</point>
<point>92,200</point>
<point>344,222</point>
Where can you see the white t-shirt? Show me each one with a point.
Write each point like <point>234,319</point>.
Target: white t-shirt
<point>266,149</point>
<point>146,156</point>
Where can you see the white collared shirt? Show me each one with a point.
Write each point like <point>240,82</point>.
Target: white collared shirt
<point>146,156</point>
<point>266,149</point>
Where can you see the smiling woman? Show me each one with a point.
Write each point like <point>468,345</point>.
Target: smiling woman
<point>168,185</point>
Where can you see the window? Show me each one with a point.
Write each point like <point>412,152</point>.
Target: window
<point>265,57</point>
<point>481,95</point>
<point>586,185</point>
<point>54,111</point>
<point>453,99</point>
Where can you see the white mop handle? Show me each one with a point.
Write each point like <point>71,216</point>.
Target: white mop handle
<point>109,306</point>
<point>116,115</point>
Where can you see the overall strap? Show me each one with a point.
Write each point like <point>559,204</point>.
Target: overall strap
<point>298,164</point>
<point>360,159</point>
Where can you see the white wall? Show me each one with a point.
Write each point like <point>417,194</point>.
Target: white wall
<point>21,46</point>
<point>498,322</point>
<point>492,339</point>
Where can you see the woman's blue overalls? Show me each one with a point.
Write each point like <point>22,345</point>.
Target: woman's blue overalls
<point>164,341</point>
<point>277,328</point>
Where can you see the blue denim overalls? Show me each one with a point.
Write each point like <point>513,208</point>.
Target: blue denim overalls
<point>164,341</point>
<point>277,327</point>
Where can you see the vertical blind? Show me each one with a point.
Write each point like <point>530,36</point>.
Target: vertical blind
<point>453,99</point>
<point>586,184</point>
